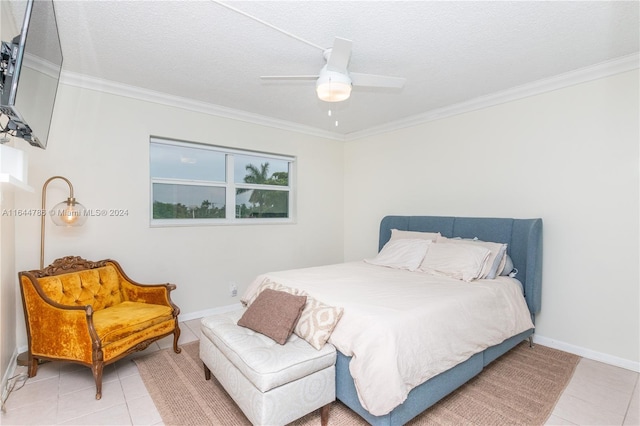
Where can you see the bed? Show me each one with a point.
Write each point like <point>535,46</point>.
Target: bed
<point>373,335</point>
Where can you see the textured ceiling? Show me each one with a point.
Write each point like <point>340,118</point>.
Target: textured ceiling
<point>449,52</point>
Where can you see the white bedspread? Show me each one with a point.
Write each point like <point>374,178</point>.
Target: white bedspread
<point>402,328</point>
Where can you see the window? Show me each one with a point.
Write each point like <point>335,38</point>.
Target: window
<point>193,184</point>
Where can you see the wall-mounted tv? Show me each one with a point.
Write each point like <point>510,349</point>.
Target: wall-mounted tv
<point>30,72</point>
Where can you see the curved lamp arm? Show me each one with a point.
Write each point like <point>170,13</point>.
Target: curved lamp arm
<point>66,213</point>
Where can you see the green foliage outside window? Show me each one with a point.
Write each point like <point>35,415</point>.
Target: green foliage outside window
<point>263,202</point>
<point>180,211</point>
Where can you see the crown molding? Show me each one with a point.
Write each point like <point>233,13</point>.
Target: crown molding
<point>581,75</point>
<point>106,86</point>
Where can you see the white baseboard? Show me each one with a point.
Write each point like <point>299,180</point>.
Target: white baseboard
<point>588,353</point>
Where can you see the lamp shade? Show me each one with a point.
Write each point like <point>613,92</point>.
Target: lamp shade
<point>68,213</point>
<point>333,86</point>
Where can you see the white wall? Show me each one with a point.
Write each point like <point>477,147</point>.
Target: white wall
<point>569,156</point>
<point>100,142</point>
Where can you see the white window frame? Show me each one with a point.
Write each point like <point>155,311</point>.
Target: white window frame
<point>229,185</point>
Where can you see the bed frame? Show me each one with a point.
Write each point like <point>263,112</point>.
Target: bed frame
<point>524,239</point>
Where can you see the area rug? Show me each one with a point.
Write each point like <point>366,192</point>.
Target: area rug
<point>520,388</point>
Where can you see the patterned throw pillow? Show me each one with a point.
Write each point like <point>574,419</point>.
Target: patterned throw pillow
<point>267,283</point>
<point>317,321</point>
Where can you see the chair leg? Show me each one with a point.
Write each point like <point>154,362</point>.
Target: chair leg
<point>32,365</point>
<point>96,368</point>
<point>176,336</point>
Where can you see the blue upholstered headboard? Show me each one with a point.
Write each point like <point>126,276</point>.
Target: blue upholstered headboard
<point>523,238</point>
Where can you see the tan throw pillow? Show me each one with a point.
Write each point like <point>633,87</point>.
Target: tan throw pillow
<point>274,314</point>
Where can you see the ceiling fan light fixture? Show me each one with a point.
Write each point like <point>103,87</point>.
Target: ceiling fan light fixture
<point>333,86</point>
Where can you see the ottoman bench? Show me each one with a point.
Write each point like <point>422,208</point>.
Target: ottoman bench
<point>272,384</point>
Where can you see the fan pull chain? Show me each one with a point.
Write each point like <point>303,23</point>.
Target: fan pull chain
<point>268,24</point>
<point>330,113</point>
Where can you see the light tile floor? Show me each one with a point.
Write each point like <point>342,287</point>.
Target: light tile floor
<point>64,394</point>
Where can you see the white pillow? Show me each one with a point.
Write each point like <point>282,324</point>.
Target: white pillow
<point>416,235</point>
<point>461,261</point>
<point>402,253</point>
<point>507,265</point>
<point>496,257</point>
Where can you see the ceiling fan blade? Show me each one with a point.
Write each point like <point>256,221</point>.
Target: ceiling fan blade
<point>340,55</point>
<point>289,77</point>
<point>371,80</point>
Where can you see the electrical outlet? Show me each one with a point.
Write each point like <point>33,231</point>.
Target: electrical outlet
<point>233,289</point>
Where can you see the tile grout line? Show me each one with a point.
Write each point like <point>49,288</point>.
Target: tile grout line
<point>635,388</point>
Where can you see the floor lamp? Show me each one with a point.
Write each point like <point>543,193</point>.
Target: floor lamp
<point>65,213</point>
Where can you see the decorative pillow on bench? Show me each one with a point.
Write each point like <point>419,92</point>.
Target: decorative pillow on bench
<point>317,321</point>
<point>274,314</point>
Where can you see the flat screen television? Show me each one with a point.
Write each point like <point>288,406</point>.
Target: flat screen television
<point>31,66</point>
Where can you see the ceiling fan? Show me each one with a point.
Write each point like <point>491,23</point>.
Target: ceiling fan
<point>334,81</point>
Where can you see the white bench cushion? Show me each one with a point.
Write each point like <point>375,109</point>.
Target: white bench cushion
<point>264,362</point>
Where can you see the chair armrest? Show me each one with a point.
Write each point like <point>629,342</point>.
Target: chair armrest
<point>47,338</point>
<point>158,294</point>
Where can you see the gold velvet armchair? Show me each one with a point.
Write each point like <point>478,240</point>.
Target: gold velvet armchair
<point>93,314</point>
